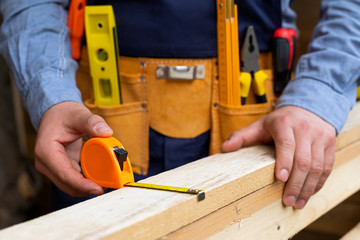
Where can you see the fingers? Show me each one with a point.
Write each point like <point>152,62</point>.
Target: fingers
<point>54,163</point>
<point>72,182</point>
<point>329,156</point>
<point>285,149</point>
<point>302,163</point>
<point>72,151</point>
<point>305,150</point>
<point>305,153</point>
<point>58,145</point>
<point>250,135</point>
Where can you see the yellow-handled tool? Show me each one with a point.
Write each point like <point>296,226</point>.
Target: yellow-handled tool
<point>250,69</point>
<point>102,44</point>
<point>228,53</point>
<point>106,162</point>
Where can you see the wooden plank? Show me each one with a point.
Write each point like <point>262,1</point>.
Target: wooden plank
<point>275,221</point>
<point>148,214</point>
<point>239,212</point>
<point>354,234</point>
<point>351,131</point>
<point>339,220</point>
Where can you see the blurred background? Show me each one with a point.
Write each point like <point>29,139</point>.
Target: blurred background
<point>25,194</point>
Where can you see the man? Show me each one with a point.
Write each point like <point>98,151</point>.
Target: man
<point>310,112</point>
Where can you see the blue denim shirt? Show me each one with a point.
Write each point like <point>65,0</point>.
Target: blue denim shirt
<point>35,43</point>
<point>34,40</point>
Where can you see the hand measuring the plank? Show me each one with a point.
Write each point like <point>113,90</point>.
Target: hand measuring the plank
<point>58,145</point>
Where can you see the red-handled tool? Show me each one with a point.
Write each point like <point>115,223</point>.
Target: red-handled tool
<point>284,49</point>
<point>76,26</point>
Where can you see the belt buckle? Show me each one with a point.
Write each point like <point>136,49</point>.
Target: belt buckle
<point>180,72</point>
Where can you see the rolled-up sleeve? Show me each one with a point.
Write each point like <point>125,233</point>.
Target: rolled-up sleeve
<point>326,77</point>
<point>34,41</point>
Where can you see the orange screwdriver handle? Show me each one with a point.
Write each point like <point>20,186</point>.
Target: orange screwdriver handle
<point>76,25</point>
<point>100,163</point>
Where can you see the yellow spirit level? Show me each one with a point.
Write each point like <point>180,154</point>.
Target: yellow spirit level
<point>102,44</point>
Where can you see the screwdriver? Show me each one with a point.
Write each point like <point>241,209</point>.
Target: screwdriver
<point>284,48</point>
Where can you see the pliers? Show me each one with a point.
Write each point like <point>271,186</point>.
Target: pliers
<point>250,69</point>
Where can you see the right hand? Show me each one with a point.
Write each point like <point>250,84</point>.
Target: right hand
<point>58,145</point>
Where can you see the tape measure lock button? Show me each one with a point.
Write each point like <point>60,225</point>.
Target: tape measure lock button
<point>121,155</point>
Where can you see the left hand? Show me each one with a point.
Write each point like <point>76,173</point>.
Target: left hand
<point>305,149</point>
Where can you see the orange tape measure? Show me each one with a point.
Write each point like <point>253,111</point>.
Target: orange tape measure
<point>106,162</point>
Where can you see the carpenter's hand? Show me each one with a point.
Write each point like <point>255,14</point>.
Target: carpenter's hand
<point>58,145</point>
<point>305,150</point>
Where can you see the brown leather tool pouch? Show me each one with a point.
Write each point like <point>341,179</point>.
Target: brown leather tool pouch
<point>226,119</point>
<point>179,108</point>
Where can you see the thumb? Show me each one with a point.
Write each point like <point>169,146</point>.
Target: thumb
<point>86,122</point>
<point>97,127</point>
<point>247,136</point>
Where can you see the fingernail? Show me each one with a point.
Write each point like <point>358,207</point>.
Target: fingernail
<point>227,141</point>
<point>289,200</point>
<point>300,204</point>
<point>94,192</point>
<point>283,175</point>
<point>102,128</point>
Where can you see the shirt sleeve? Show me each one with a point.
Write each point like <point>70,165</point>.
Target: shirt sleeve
<point>325,78</point>
<point>34,41</point>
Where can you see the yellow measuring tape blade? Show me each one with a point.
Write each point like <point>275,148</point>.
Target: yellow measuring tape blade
<point>200,193</point>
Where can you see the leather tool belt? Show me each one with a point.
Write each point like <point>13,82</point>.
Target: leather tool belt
<point>176,97</point>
